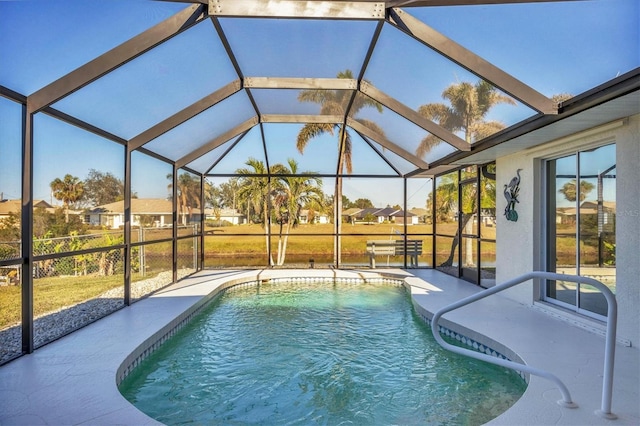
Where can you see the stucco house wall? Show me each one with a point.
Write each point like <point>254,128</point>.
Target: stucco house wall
<point>520,245</point>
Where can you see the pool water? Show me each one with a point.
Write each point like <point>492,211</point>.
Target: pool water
<point>312,353</point>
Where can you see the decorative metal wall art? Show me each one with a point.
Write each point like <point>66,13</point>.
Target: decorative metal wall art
<point>511,194</point>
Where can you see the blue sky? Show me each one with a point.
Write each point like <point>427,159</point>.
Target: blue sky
<point>565,47</point>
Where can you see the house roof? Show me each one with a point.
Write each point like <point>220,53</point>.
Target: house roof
<point>15,206</point>
<point>608,205</point>
<point>587,207</point>
<point>139,206</point>
<point>400,213</point>
<point>351,211</point>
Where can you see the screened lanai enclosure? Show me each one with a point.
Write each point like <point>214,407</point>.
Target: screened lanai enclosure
<point>143,141</point>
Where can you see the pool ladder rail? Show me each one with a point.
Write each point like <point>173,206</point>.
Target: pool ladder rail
<point>610,337</point>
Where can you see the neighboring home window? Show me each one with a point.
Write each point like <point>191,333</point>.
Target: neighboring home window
<point>581,220</point>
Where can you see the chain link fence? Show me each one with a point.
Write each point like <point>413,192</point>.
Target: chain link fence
<point>101,263</point>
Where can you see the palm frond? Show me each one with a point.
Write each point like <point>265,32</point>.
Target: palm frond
<point>361,101</point>
<point>485,129</point>
<point>371,125</point>
<point>427,144</point>
<point>331,107</point>
<point>316,96</point>
<point>310,131</point>
<point>489,96</point>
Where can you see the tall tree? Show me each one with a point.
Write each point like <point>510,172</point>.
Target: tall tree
<point>102,188</point>
<point>229,193</point>
<point>363,203</point>
<point>68,190</point>
<point>346,202</point>
<point>334,102</point>
<point>468,106</point>
<point>291,194</point>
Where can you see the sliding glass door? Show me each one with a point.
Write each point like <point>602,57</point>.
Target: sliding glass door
<point>581,227</point>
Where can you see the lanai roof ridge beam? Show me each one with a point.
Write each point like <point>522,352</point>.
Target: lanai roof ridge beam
<point>317,9</point>
<point>301,118</point>
<point>186,1</point>
<point>424,3</point>
<point>115,58</point>
<point>413,116</point>
<point>364,130</point>
<point>302,83</point>
<point>216,142</point>
<point>185,114</point>
<point>470,61</point>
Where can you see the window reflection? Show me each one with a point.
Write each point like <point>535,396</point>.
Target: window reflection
<point>582,233</point>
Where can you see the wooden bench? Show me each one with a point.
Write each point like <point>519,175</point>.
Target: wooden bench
<point>394,248</point>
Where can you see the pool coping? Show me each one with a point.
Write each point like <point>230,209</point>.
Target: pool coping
<point>74,380</point>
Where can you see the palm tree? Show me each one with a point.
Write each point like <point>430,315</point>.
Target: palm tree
<point>256,188</point>
<point>188,190</point>
<point>334,102</point>
<point>468,106</point>
<point>466,111</point>
<point>68,190</point>
<point>292,193</point>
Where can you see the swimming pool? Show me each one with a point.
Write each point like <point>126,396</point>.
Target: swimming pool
<point>329,353</point>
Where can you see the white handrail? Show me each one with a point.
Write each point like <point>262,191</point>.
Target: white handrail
<point>610,338</point>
